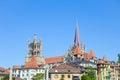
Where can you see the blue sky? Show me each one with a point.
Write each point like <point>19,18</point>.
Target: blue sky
<point>54,22</point>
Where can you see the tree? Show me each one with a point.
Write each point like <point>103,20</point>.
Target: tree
<point>90,75</point>
<point>85,77</point>
<point>7,78</point>
<point>39,76</point>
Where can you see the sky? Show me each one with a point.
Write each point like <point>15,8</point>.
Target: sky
<point>54,22</point>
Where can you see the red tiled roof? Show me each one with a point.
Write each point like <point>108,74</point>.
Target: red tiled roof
<point>77,50</point>
<point>86,56</point>
<point>92,55</point>
<point>4,71</point>
<point>54,59</point>
<point>17,67</point>
<point>32,63</point>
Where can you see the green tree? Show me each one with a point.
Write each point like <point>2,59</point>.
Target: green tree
<point>85,77</point>
<point>39,76</point>
<point>91,74</point>
<point>7,78</point>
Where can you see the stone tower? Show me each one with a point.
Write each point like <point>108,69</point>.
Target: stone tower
<point>35,48</point>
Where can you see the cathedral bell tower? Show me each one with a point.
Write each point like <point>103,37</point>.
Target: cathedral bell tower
<point>35,48</point>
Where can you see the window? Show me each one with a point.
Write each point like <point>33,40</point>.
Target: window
<point>68,76</point>
<point>56,76</point>
<point>62,76</point>
<point>23,75</point>
<point>68,70</point>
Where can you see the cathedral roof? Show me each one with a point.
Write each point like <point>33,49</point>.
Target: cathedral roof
<point>32,63</point>
<point>77,50</point>
<point>86,56</point>
<point>92,55</point>
<point>54,59</point>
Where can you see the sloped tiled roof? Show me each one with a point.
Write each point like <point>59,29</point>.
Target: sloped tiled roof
<point>66,68</point>
<point>86,56</point>
<point>17,67</point>
<point>4,71</point>
<point>32,63</point>
<point>77,50</point>
<point>54,59</point>
<point>92,55</point>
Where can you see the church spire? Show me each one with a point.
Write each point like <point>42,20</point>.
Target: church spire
<point>35,38</point>
<point>77,37</point>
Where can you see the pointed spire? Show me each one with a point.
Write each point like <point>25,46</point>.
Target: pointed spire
<point>92,55</point>
<point>77,37</point>
<point>35,38</point>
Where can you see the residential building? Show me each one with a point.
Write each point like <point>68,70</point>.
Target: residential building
<point>103,67</point>
<point>66,71</point>
<point>3,72</point>
<point>115,68</point>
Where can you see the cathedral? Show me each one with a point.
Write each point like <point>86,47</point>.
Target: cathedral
<point>35,48</point>
<point>36,63</point>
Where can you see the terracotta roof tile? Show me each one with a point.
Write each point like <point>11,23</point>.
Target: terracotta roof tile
<point>32,63</point>
<point>54,59</point>
<point>92,55</point>
<point>17,67</point>
<point>77,50</point>
<point>86,56</point>
<point>4,71</point>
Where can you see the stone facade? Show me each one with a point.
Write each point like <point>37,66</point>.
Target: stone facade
<point>35,48</point>
<point>35,63</point>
